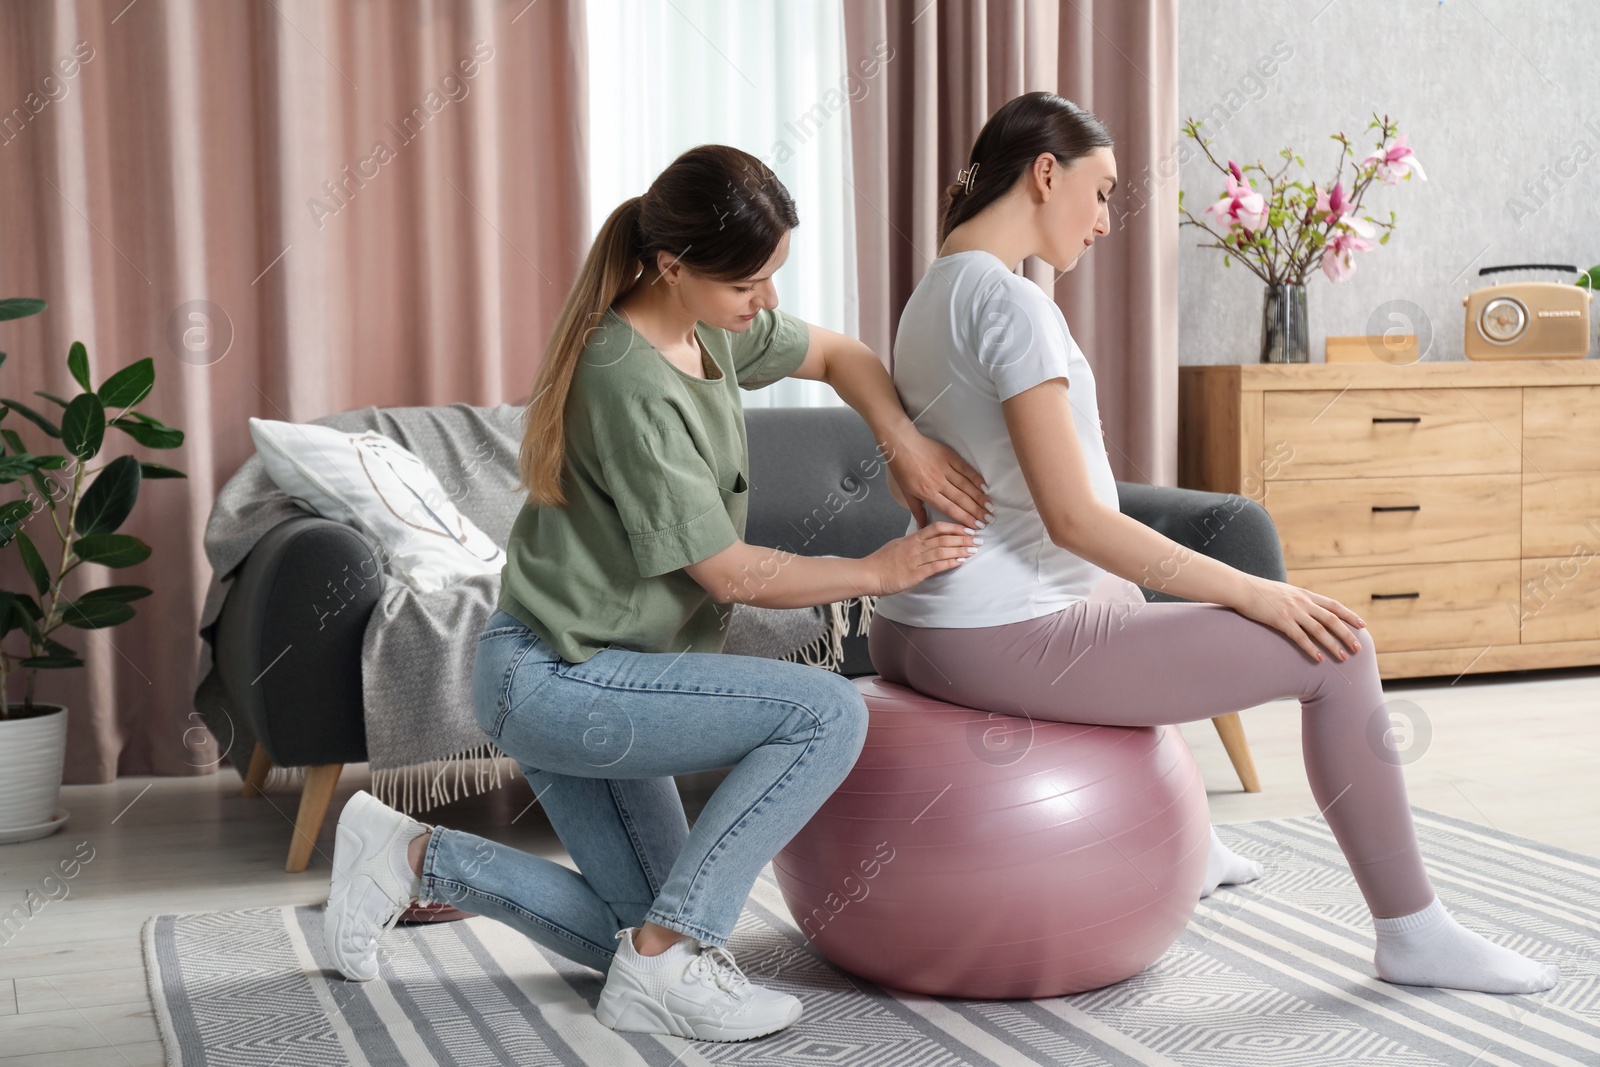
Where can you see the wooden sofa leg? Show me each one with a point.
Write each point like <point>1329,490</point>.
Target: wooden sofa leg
<point>256,777</point>
<point>314,799</point>
<point>1231,730</point>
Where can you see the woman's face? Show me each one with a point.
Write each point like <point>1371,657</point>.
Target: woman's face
<point>730,305</point>
<point>1077,211</point>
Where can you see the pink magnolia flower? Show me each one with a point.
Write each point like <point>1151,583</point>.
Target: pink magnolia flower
<point>1351,236</point>
<point>1395,161</point>
<point>1333,202</point>
<point>1241,206</point>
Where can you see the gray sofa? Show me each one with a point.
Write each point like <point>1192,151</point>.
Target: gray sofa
<point>312,717</point>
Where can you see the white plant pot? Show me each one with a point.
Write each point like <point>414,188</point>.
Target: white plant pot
<point>33,752</point>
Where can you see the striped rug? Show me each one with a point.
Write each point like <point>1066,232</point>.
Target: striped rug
<point>1277,973</point>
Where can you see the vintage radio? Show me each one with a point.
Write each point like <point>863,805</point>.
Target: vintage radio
<point>1528,320</point>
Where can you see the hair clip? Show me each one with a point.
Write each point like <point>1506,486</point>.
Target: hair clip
<point>966,177</point>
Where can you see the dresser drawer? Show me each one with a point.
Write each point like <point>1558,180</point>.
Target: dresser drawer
<point>1426,605</point>
<point>1561,429</point>
<point>1393,432</point>
<point>1560,513</point>
<point>1561,597</point>
<point>1365,521</point>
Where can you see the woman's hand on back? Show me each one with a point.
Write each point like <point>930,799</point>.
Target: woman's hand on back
<point>905,561</point>
<point>1307,618</point>
<point>925,472</point>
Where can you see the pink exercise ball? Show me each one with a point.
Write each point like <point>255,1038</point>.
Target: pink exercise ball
<point>989,856</point>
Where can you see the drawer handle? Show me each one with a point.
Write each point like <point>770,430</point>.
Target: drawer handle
<point>1397,507</point>
<point>1395,596</point>
<point>1398,418</point>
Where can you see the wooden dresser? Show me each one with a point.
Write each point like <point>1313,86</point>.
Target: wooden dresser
<point>1454,506</point>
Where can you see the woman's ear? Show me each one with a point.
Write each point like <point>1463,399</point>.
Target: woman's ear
<point>1045,172</point>
<point>668,268</point>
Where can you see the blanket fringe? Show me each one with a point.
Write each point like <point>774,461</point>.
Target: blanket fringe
<point>868,605</point>
<point>421,786</point>
<point>827,651</point>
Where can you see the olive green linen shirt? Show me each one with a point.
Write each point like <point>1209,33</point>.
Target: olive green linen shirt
<point>657,479</point>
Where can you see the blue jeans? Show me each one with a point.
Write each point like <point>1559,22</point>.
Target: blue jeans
<point>599,742</point>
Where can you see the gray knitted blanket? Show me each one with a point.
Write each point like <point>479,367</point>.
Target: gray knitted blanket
<point>424,744</point>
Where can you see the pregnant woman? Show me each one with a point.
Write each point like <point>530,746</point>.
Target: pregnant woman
<point>985,363</point>
<point>601,672</point>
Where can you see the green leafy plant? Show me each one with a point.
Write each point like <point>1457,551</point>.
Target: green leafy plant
<point>85,505</point>
<point>1589,279</point>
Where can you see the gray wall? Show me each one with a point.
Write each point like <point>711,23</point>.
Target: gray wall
<point>1501,100</point>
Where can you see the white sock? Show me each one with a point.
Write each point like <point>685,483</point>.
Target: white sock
<point>1430,948</point>
<point>400,860</point>
<point>1226,867</point>
<point>640,962</point>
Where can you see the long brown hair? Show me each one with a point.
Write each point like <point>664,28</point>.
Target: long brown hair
<point>1014,136</point>
<point>720,211</point>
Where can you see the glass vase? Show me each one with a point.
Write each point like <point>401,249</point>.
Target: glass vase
<point>1284,338</point>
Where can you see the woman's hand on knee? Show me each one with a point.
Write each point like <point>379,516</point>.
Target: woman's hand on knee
<point>1308,619</point>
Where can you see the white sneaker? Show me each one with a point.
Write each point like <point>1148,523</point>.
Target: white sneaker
<point>689,991</point>
<point>372,883</point>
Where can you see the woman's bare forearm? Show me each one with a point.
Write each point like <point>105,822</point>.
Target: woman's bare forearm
<point>773,578</point>
<point>861,380</point>
<point>1130,549</point>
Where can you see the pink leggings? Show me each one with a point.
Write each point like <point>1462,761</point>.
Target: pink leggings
<point>1115,660</point>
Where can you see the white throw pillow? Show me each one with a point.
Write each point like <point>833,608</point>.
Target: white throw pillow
<point>367,481</point>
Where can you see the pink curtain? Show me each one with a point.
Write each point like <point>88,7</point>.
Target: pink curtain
<point>952,65</point>
<point>366,203</point>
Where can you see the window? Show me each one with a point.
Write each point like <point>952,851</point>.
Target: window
<point>765,77</point>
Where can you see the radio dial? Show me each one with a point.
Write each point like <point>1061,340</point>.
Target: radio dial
<point>1503,320</point>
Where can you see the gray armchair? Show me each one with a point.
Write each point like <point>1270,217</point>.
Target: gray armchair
<point>809,494</point>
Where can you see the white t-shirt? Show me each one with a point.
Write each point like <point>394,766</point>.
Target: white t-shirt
<point>974,334</point>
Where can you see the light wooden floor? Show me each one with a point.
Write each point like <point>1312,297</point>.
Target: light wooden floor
<point>1517,752</point>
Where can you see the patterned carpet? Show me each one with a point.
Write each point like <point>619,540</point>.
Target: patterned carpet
<point>1277,973</point>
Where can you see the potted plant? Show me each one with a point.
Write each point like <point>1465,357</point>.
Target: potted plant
<point>1589,279</point>
<point>67,516</point>
<point>1285,233</point>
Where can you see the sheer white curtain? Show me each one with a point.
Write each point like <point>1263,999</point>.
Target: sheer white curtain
<point>766,77</point>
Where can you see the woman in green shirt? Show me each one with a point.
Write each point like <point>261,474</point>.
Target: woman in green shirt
<point>600,672</point>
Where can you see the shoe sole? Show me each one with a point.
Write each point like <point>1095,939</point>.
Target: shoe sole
<point>639,1015</point>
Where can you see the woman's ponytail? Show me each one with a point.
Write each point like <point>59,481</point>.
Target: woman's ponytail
<point>609,271</point>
